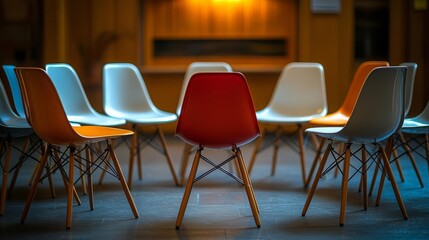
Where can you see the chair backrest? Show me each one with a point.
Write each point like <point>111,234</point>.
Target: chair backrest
<point>217,111</point>
<point>409,85</point>
<point>300,91</point>
<point>69,88</point>
<point>358,80</point>
<point>43,107</point>
<point>196,67</point>
<point>124,90</point>
<point>379,110</point>
<point>15,90</point>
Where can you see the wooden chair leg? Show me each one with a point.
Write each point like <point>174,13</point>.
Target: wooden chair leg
<point>316,179</point>
<point>35,183</point>
<point>301,153</point>
<point>6,145</point>
<point>90,189</point>
<point>248,187</point>
<point>398,165</point>
<point>70,188</point>
<point>184,163</point>
<point>122,180</point>
<point>139,159</point>
<point>50,180</point>
<point>388,151</point>
<point>255,150</point>
<point>315,161</point>
<point>344,185</point>
<point>132,153</point>
<point>248,176</point>
<point>168,156</point>
<point>188,188</point>
<point>393,183</point>
<point>276,150</point>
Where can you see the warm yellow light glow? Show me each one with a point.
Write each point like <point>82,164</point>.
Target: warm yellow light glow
<point>227,1</point>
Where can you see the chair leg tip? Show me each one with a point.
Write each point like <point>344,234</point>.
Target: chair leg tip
<point>258,226</point>
<point>341,224</point>
<point>177,227</point>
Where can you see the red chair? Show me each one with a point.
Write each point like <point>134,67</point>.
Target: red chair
<point>218,113</point>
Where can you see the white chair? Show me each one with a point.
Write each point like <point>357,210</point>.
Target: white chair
<point>400,139</point>
<point>193,68</point>
<point>74,99</point>
<point>298,97</point>
<point>125,96</point>
<point>377,115</point>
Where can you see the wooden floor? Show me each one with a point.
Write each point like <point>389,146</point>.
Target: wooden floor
<point>218,206</point>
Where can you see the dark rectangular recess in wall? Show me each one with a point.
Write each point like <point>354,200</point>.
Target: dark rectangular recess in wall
<point>220,47</point>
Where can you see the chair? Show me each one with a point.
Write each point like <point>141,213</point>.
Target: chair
<point>409,89</point>
<point>298,97</point>
<point>193,68</point>
<point>74,99</point>
<point>51,124</point>
<point>341,116</point>
<point>399,138</point>
<point>218,113</point>
<point>11,127</point>
<point>370,123</point>
<point>125,96</point>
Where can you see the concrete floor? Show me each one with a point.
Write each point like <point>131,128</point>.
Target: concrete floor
<point>218,206</point>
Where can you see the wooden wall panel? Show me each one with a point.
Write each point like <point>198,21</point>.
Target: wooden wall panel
<point>328,39</point>
<point>215,19</point>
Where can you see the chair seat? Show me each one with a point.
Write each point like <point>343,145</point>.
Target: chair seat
<point>332,119</point>
<point>413,123</point>
<point>15,122</point>
<point>148,117</point>
<point>95,132</point>
<point>269,116</point>
<point>337,134</point>
<point>96,119</point>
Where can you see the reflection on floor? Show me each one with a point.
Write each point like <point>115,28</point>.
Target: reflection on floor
<point>218,207</point>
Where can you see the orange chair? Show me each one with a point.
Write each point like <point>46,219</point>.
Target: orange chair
<point>218,113</point>
<point>47,117</point>
<point>341,116</point>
